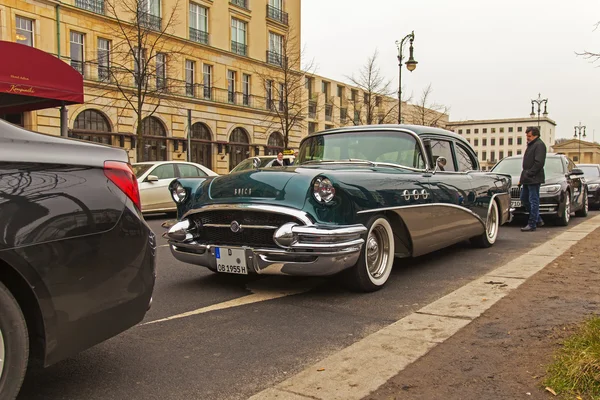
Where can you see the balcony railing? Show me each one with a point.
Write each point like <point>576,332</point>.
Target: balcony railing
<point>240,3</point>
<point>312,109</point>
<point>239,48</point>
<point>274,58</point>
<point>150,21</point>
<point>198,36</point>
<point>277,15</point>
<point>96,6</point>
<point>328,112</point>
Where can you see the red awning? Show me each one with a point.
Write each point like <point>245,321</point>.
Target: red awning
<point>31,79</point>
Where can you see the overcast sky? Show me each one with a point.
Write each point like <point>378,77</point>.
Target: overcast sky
<point>484,59</point>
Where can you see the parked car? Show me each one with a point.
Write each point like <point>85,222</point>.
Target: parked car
<point>562,194</point>
<point>154,178</point>
<point>77,260</point>
<point>359,197</point>
<point>249,163</point>
<point>591,172</point>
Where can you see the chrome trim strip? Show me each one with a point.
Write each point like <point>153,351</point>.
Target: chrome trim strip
<point>320,230</point>
<point>2,352</point>
<point>241,226</point>
<point>301,215</point>
<point>332,246</point>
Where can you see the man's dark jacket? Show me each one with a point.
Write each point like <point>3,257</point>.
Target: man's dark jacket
<point>533,163</point>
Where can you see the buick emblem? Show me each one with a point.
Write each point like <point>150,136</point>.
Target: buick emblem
<point>235,227</point>
<point>242,192</point>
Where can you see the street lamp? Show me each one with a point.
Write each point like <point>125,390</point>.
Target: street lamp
<point>578,134</point>
<point>539,101</point>
<point>411,64</point>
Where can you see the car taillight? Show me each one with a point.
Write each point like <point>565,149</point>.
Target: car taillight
<point>122,175</point>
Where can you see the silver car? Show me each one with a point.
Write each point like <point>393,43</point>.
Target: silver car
<point>154,178</point>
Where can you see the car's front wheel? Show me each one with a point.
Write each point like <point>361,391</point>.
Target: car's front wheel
<point>583,212</point>
<point>14,345</point>
<point>564,218</point>
<point>376,259</point>
<point>492,225</point>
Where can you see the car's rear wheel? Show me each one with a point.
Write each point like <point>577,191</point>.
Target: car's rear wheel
<point>564,218</point>
<point>492,225</point>
<point>376,259</point>
<point>14,345</point>
<point>583,212</point>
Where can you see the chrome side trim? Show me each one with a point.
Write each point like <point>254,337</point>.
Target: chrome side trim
<point>375,210</point>
<point>241,226</point>
<point>301,215</point>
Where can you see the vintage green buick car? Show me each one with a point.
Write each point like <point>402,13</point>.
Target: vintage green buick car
<point>357,198</point>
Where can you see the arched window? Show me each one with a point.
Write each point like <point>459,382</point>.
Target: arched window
<point>275,143</point>
<point>239,147</point>
<point>92,125</point>
<point>201,151</point>
<point>155,142</point>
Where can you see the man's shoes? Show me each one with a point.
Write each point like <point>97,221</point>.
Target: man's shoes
<point>539,224</point>
<point>528,228</point>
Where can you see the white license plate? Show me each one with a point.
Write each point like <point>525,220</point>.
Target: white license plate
<point>515,203</point>
<point>231,261</point>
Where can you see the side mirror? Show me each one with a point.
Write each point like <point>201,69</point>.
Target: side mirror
<point>152,178</point>
<point>576,171</point>
<point>440,163</point>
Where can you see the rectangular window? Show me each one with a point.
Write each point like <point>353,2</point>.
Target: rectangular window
<point>312,127</point>
<point>207,80</point>
<point>476,142</point>
<point>519,140</point>
<point>269,94</point>
<point>484,142</point>
<point>378,101</point>
<point>501,141</point>
<point>238,36</point>
<point>340,91</point>
<point>198,23</point>
<point>104,46</point>
<point>161,71</point>
<point>460,131</point>
<point>510,153</point>
<point>475,130</point>
<point>501,130</point>
<point>281,96</point>
<point>190,68</point>
<point>483,155</point>
<point>246,89</point>
<point>149,16</point>
<point>520,129</point>
<point>24,34</point>
<point>510,141</point>
<point>493,142</point>
<point>356,117</point>
<point>139,61</point>
<point>518,152</point>
<point>354,95</point>
<point>366,98</point>
<point>484,130</point>
<point>231,86</point>
<point>493,130</point>
<point>274,56</point>
<point>501,156</point>
<point>493,155</point>
<point>468,131</point>
<point>77,60</point>
<point>510,129</point>
<point>308,84</point>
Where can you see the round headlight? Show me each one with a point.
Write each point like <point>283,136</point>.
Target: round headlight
<point>323,190</point>
<point>178,193</point>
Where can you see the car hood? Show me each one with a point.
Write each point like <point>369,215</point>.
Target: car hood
<point>592,180</point>
<point>550,180</point>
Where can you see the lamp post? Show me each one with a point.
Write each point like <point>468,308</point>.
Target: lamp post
<point>539,101</point>
<point>578,130</point>
<point>411,64</point>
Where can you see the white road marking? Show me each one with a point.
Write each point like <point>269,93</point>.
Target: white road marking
<point>262,290</point>
<point>349,373</point>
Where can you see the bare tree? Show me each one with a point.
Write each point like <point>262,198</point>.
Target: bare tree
<point>591,55</point>
<point>428,113</point>
<point>375,106</point>
<point>284,86</point>
<point>136,63</point>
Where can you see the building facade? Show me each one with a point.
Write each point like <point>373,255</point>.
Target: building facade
<point>495,139</point>
<point>580,151</point>
<point>209,57</point>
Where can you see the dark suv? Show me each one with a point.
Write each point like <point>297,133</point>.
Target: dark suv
<point>563,193</point>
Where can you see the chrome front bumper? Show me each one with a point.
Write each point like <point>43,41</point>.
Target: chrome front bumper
<point>304,250</point>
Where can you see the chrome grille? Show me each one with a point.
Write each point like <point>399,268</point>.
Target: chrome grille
<point>248,236</point>
<point>515,192</point>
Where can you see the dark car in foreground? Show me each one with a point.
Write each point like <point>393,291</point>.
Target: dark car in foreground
<point>563,193</point>
<point>358,198</point>
<point>591,172</point>
<point>77,260</point>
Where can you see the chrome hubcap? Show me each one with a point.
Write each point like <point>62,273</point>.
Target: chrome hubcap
<point>378,245</point>
<point>492,222</point>
<point>2,353</point>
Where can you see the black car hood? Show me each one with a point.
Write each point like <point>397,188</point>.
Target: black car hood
<point>592,180</point>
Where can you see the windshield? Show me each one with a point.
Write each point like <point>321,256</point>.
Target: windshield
<point>385,146</point>
<point>514,166</point>
<point>590,171</point>
<point>140,169</point>
<point>248,163</point>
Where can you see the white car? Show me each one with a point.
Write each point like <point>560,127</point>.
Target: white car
<point>154,178</point>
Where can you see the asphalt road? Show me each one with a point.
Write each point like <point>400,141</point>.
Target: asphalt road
<point>247,345</point>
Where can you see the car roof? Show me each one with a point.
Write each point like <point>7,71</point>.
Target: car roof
<point>551,155</point>
<point>420,130</point>
<point>164,162</point>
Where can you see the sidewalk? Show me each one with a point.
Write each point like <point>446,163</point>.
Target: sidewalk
<point>503,353</point>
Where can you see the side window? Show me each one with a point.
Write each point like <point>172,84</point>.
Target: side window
<point>165,171</point>
<point>442,148</point>
<point>465,162</point>
<point>189,171</point>
<point>571,165</point>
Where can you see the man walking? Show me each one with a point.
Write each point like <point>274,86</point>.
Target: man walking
<point>532,177</point>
